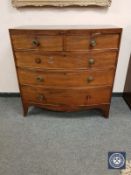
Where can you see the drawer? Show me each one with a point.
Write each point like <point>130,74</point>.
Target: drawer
<point>72,97</point>
<point>66,60</point>
<point>102,41</point>
<point>66,78</point>
<point>38,42</point>
<point>102,59</point>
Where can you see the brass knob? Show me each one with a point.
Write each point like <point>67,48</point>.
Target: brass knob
<point>35,43</point>
<point>91,61</point>
<point>40,97</point>
<point>38,60</point>
<point>40,79</point>
<point>93,43</point>
<point>90,79</point>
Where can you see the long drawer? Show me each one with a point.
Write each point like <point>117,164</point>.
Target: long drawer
<point>70,97</point>
<point>66,78</point>
<point>66,60</point>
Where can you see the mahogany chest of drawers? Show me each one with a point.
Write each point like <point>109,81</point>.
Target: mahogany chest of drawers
<point>66,69</point>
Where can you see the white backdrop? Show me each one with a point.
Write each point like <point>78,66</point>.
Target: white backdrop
<point>118,14</point>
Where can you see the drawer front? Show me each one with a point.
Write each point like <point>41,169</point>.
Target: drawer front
<point>38,42</point>
<point>102,59</point>
<point>66,60</point>
<point>103,41</point>
<point>76,43</point>
<point>72,97</point>
<point>66,79</point>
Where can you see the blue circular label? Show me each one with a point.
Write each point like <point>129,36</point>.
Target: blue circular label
<point>117,160</point>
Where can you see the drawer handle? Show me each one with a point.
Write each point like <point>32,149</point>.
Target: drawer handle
<point>90,79</point>
<point>40,97</point>
<point>35,43</point>
<point>38,60</point>
<point>93,43</point>
<point>40,79</point>
<point>91,61</point>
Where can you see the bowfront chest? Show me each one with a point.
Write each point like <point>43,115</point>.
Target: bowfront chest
<point>66,69</point>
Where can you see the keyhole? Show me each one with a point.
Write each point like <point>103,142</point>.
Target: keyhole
<point>88,97</point>
<point>50,60</point>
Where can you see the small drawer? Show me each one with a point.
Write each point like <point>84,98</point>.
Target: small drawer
<point>66,60</point>
<point>37,42</point>
<point>101,41</point>
<point>68,97</point>
<point>66,78</point>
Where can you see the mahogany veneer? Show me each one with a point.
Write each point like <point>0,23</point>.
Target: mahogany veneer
<point>66,69</point>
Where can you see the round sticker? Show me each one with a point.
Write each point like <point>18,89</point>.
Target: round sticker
<point>117,160</point>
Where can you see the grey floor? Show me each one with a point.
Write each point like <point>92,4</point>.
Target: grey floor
<point>51,143</point>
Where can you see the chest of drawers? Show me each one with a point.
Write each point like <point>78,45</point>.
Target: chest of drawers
<point>66,69</point>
